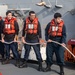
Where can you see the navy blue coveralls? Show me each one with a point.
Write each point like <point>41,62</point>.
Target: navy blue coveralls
<point>1,44</point>
<point>55,48</point>
<point>32,38</point>
<point>12,46</point>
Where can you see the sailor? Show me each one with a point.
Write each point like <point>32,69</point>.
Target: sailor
<point>1,44</point>
<point>32,33</point>
<point>10,32</point>
<point>56,31</point>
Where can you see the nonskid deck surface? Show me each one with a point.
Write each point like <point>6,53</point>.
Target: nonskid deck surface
<point>10,69</point>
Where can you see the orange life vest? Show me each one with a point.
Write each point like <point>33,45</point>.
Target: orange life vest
<point>31,27</point>
<point>9,27</point>
<point>55,30</point>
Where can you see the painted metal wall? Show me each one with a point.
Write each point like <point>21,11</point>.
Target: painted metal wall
<point>45,14</point>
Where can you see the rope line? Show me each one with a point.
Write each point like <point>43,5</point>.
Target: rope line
<point>43,43</point>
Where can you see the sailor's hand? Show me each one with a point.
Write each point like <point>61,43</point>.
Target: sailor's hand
<point>2,40</point>
<point>63,44</point>
<point>2,36</point>
<point>41,41</point>
<point>14,40</point>
<point>23,40</point>
<point>49,40</point>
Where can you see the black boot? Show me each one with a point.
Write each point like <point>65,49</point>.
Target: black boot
<point>61,70</point>
<point>23,65</point>
<point>17,63</point>
<point>40,67</point>
<point>2,60</point>
<point>48,68</point>
<point>7,61</point>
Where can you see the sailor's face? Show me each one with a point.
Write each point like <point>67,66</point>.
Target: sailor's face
<point>9,16</point>
<point>32,16</point>
<point>58,20</point>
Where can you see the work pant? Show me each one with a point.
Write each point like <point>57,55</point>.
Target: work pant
<point>36,49</point>
<point>12,47</point>
<point>59,52</point>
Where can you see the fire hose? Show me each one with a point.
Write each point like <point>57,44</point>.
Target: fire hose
<point>64,47</point>
<point>44,43</point>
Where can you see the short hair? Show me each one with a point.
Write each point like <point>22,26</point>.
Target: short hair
<point>56,15</point>
<point>31,12</point>
<point>8,12</point>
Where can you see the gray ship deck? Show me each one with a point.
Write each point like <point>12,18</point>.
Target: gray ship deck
<point>10,69</point>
